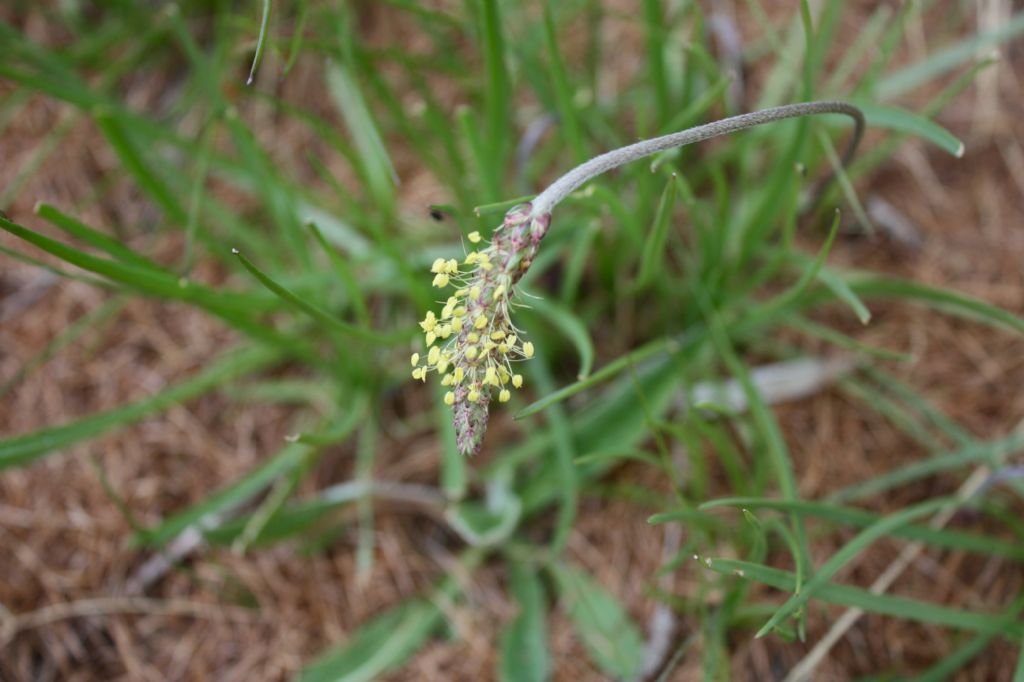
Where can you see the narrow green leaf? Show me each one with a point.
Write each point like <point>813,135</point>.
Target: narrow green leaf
<point>565,98</point>
<point>261,43</point>
<point>380,645</point>
<point>937,63</point>
<point>653,257</point>
<point>523,650</point>
<point>93,237</point>
<point>313,311</point>
<point>498,84</point>
<point>991,453</point>
<point>884,526</point>
<point>940,299</point>
<point>20,450</point>
<point>611,639</point>
<point>848,595</point>
<point>377,167</point>
<point>563,319</point>
<point>950,539</point>
<point>894,118</point>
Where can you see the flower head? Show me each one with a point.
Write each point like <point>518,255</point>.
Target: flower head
<point>477,343</point>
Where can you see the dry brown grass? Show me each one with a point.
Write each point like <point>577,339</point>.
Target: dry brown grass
<point>64,541</point>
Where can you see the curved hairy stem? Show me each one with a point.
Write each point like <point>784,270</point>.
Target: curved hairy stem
<point>574,179</point>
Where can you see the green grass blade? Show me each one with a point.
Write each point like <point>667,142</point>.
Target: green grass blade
<point>313,311</point>
<point>611,639</point>
<point>565,450</point>
<point>380,645</point>
<point>850,596</point>
<point>563,319</point>
<point>884,526</point>
<point>568,118</point>
<point>93,237</point>
<point>498,83</point>
<point>139,166</point>
<point>376,164</point>
<point>948,666</point>
<point>261,43</point>
<point>523,650</point>
<point>990,453</point>
<point>23,449</point>
<point>894,118</point>
<point>605,373</point>
<point>653,256</point>
<point>968,542</point>
<point>940,299</point>
<point>941,61</point>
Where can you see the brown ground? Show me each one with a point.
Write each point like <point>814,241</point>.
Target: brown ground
<point>63,538</point>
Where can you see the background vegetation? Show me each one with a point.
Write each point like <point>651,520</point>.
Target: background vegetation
<point>216,464</point>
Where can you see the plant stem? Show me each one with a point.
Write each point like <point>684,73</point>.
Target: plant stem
<point>574,179</point>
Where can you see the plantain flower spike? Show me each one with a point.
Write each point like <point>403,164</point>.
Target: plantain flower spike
<point>472,343</point>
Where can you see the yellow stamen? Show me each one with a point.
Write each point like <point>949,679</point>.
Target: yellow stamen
<point>440,280</point>
<point>480,322</point>
<point>415,359</point>
<point>449,398</point>
<point>474,237</point>
<point>504,396</point>
<point>528,349</point>
<point>517,380</point>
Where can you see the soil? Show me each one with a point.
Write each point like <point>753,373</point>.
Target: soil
<point>64,537</point>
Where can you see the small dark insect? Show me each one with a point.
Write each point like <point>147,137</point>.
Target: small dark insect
<point>436,213</point>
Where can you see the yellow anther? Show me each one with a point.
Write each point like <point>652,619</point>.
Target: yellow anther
<point>456,323</point>
<point>458,375</point>
<point>415,359</point>
<point>444,331</point>
<point>473,396</point>
<point>442,364</point>
<point>428,322</point>
<point>474,237</point>
<point>474,291</point>
<point>491,376</point>
<point>433,355</point>
<point>517,380</point>
<point>504,396</point>
<point>499,292</point>
<point>528,349</point>
<point>440,280</point>
<point>511,340</point>
<point>503,348</point>
<point>449,398</point>
<point>471,353</point>
<point>462,292</point>
<point>498,335</point>
<point>420,373</point>
<point>452,266</point>
<point>438,266</point>
<point>480,322</point>
<point>472,257</point>
<point>447,380</point>
<point>472,337</point>
<point>430,337</point>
